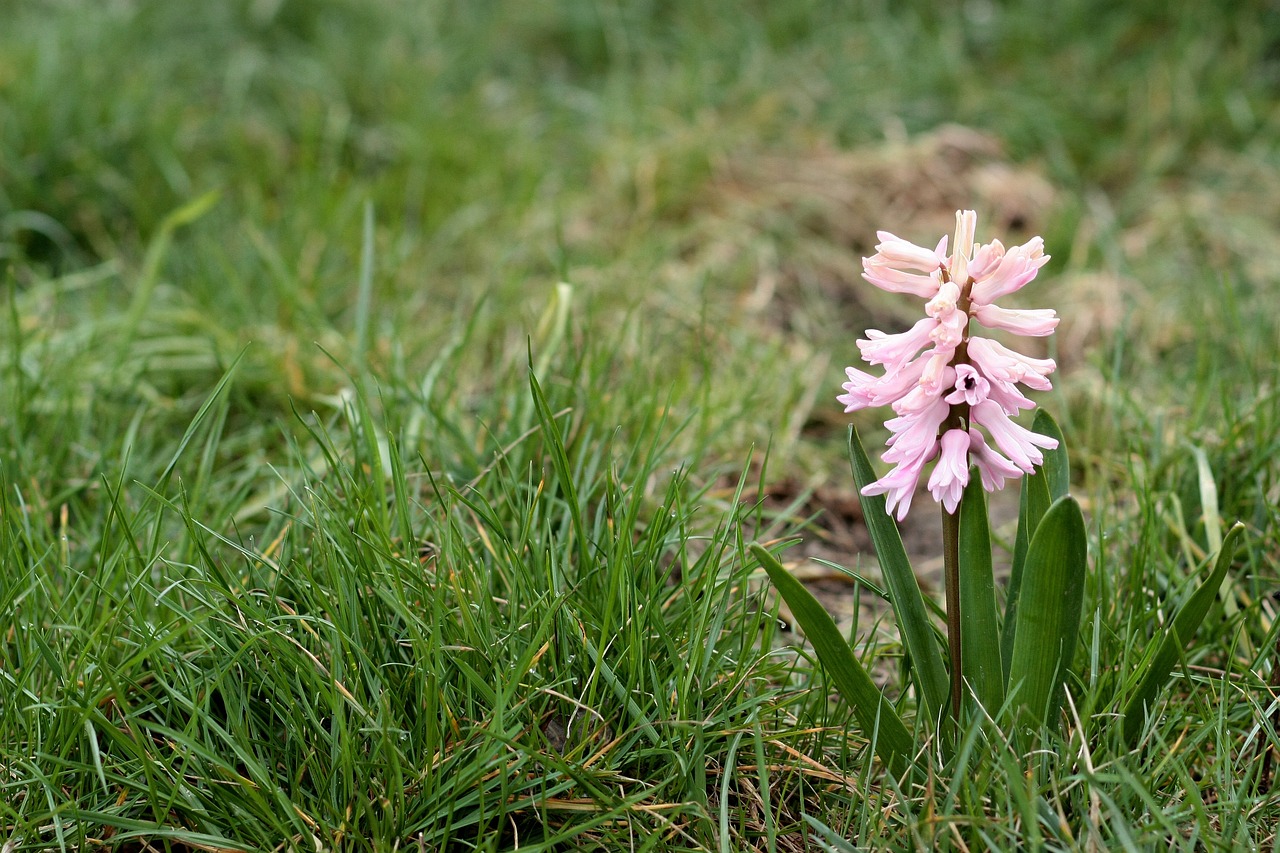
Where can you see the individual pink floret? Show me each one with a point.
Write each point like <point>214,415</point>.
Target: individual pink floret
<point>951,474</point>
<point>993,467</point>
<point>1018,443</point>
<point>893,351</point>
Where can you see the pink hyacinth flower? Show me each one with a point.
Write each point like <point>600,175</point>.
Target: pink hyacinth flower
<point>944,383</point>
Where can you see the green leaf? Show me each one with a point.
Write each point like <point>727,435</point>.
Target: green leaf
<point>904,589</point>
<point>1056,467</point>
<point>979,622</point>
<point>890,738</point>
<point>1033,503</point>
<point>1049,613</point>
<point>1179,631</point>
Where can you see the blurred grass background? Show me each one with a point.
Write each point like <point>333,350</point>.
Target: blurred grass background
<point>663,157</point>
<point>401,187</point>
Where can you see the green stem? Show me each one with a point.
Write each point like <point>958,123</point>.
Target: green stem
<point>951,564</point>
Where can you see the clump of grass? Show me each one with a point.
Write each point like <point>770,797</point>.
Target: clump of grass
<point>562,643</point>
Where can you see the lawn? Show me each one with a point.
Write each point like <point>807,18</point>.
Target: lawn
<point>390,394</point>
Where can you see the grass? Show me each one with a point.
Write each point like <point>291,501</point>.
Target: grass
<point>331,520</point>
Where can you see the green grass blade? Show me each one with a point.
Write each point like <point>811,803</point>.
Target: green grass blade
<point>214,396</point>
<point>1049,613</point>
<point>979,621</point>
<point>1179,631</point>
<point>364,291</point>
<point>1034,501</point>
<point>904,589</point>
<point>556,449</point>
<point>892,741</point>
<point>634,711</point>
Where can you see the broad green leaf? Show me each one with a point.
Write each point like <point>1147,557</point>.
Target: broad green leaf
<point>1048,613</point>
<point>979,622</point>
<point>1056,467</point>
<point>904,589</point>
<point>892,741</point>
<point>1033,503</point>
<point>1179,631</point>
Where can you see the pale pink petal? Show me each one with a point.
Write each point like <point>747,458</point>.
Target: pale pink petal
<point>923,396</point>
<point>966,225</point>
<point>896,384</point>
<point>866,390</point>
<point>951,474</point>
<point>1036,322</point>
<point>887,278</point>
<point>1008,396</point>
<point>915,435</point>
<point>943,305</point>
<point>1014,269</point>
<point>970,386</point>
<point>993,467</point>
<point>935,375</point>
<point>1018,443</point>
<point>903,254</point>
<point>893,351</point>
<point>861,387</point>
<point>986,258</point>
<point>949,333</point>
<point>898,486</point>
<point>996,361</point>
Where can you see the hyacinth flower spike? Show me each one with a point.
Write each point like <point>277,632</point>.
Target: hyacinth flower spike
<point>945,383</point>
<point>950,388</point>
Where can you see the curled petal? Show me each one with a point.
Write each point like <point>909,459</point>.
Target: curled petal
<point>937,374</point>
<point>970,386</point>
<point>943,305</point>
<point>996,361</point>
<point>894,351</point>
<point>993,467</point>
<point>861,390</point>
<point>893,280</point>
<point>1036,322</point>
<point>880,391</point>
<point>924,394</point>
<point>966,225</point>
<point>951,474</point>
<point>1018,443</point>
<point>865,390</point>
<point>915,435</point>
<point>1009,397</point>
<point>899,486</point>
<point>903,254</point>
<point>1010,272</point>
<point>948,335</point>
<point>986,258</point>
